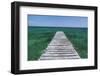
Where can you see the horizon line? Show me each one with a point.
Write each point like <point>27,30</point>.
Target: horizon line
<point>58,26</point>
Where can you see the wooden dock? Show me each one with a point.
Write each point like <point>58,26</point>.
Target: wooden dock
<point>59,48</point>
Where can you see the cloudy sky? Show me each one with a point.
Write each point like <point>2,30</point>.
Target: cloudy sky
<point>57,21</point>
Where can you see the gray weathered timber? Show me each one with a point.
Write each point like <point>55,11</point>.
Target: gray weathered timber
<point>59,48</point>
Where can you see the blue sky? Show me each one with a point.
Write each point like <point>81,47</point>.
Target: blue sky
<point>57,21</point>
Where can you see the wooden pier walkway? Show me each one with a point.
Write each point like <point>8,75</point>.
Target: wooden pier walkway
<point>59,48</point>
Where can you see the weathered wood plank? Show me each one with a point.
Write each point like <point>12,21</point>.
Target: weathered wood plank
<point>59,48</point>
